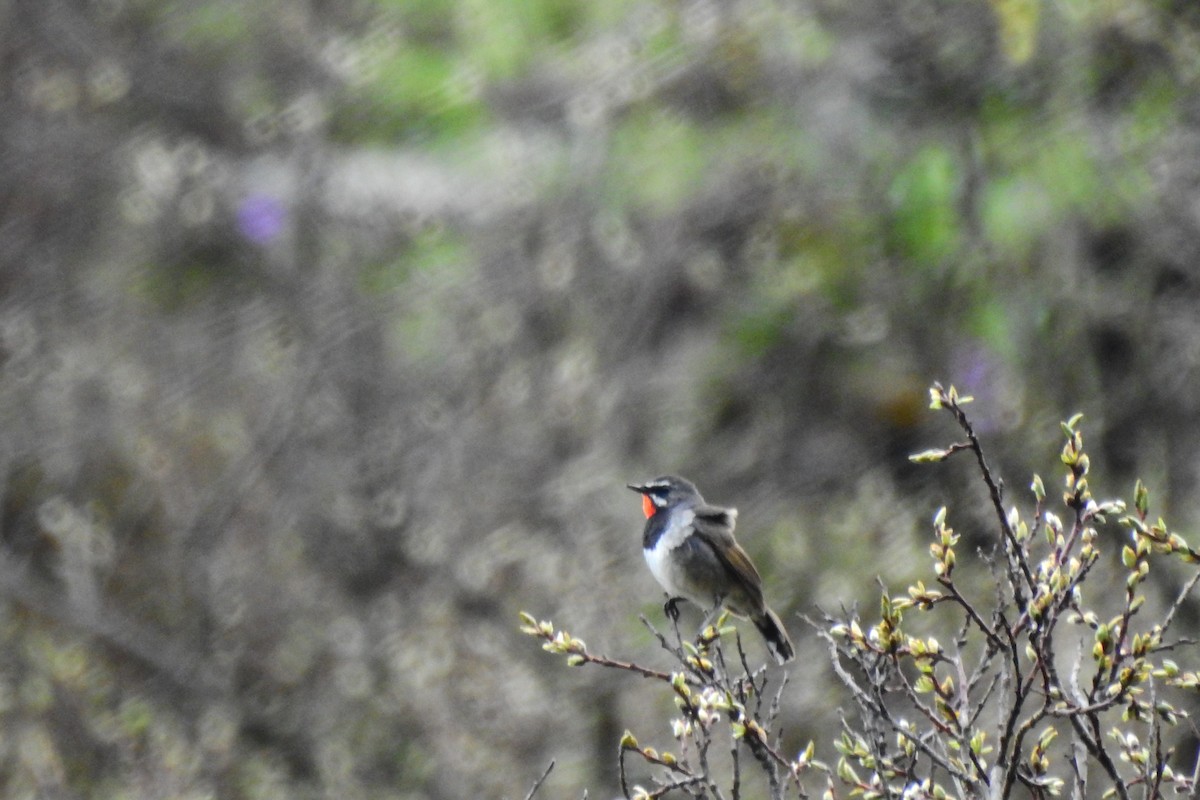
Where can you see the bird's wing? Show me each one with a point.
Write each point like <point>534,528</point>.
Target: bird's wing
<point>715,526</point>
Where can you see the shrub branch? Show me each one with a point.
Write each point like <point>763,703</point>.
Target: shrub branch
<point>1000,708</point>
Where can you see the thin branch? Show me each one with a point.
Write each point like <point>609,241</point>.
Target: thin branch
<point>661,762</point>
<point>682,783</point>
<point>1093,708</point>
<point>869,703</point>
<point>628,666</point>
<point>1013,741</point>
<point>538,783</point>
<point>1079,765</point>
<point>702,755</point>
<point>621,750</point>
<point>1014,770</point>
<point>957,597</point>
<point>676,651</point>
<point>957,447</point>
<point>1195,792</point>
<point>1092,740</point>
<point>930,715</point>
<point>773,711</point>
<point>1175,645</point>
<point>1153,771</point>
<point>982,702</point>
<point>1183,593</point>
<point>751,682</point>
<point>1020,687</point>
<point>996,493</point>
<point>736,789</point>
<point>754,685</point>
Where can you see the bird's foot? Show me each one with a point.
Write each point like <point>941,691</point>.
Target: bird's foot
<point>671,608</point>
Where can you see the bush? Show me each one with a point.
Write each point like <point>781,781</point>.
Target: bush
<point>1030,685</point>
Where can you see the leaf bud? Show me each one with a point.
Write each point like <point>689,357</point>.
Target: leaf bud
<point>1039,489</point>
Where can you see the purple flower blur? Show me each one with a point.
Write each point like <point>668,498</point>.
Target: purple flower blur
<point>260,218</point>
<point>978,370</point>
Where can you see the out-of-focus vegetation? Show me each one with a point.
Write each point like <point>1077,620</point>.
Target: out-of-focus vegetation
<point>329,334</point>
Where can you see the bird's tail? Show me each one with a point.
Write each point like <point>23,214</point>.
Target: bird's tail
<point>770,626</point>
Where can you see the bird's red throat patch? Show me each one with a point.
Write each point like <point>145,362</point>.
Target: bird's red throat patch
<point>648,506</point>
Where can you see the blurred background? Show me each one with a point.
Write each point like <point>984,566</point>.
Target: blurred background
<point>331,332</point>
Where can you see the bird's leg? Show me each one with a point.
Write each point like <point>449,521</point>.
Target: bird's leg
<point>671,608</point>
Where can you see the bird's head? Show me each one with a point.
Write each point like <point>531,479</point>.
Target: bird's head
<point>668,491</point>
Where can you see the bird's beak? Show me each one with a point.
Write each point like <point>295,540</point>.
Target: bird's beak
<point>637,488</point>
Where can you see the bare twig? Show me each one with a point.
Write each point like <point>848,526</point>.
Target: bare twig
<point>957,597</point>
<point>621,749</point>
<point>994,491</point>
<point>675,650</point>
<point>1183,593</point>
<point>538,783</point>
<point>1079,767</point>
<point>735,755</point>
<point>1175,645</point>
<point>1095,745</point>
<point>628,666</point>
<point>881,710</point>
<point>1196,776</point>
<point>682,783</point>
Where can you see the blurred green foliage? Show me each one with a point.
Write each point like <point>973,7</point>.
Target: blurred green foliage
<point>925,197</point>
<point>418,92</point>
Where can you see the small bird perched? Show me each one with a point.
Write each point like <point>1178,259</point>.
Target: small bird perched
<point>690,548</point>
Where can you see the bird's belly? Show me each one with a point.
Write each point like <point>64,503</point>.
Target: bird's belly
<point>688,571</point>
<point>663,568</point>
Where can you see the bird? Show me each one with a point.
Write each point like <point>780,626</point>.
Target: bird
<point>690,549</point>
